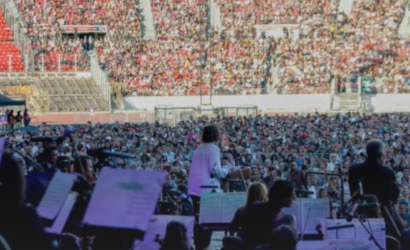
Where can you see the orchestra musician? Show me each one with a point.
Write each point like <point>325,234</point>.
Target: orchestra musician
<point>258,222</point>
<point>376,179</point>
<point>20,225</point>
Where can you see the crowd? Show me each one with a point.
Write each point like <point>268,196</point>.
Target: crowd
<point>340,48</point>
<point>284,147</point>
<point>332,47</point>
<point>272,146</point>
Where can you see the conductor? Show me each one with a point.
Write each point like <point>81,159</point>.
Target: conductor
<point>375,178</point>
<point>205,170</point>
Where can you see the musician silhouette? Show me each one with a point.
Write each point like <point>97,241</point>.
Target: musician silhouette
<point>175,237</point>
<point>375,179</point>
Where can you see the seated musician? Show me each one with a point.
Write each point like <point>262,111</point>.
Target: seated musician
<point>19,224</point>
<point>256,192</point>
<point>175,237</point>
<point>258,219</point>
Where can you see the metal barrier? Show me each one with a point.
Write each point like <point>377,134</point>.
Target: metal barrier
<point>62,63</point>
<point>173,115</point>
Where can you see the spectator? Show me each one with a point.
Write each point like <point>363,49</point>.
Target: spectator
<point>402,217</point>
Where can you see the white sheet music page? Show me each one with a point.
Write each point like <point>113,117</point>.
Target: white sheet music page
<point>157,228</point>
<point>231,202</point>
<point>313,210</point>
<point>59,223</point>
<point>124,198</point>
<point>378,227</point>
<point>296,210</point>
<point>211,208</point>
<point>56,194</point>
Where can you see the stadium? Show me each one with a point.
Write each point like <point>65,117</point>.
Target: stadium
<point>311,96</point>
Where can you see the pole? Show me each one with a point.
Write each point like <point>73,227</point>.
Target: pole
<point>42,58</point>
<point>59,62</point>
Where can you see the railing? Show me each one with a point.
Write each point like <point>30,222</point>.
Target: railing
<point>61,63</point>
<point>285,90</point>
<point>101,79</point>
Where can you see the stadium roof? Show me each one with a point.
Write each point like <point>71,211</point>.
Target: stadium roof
<point>5,101</point>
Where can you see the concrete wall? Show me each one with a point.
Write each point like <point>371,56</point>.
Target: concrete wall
<point>272,103</point>
<point>266,103</point>
<point>388,102</point>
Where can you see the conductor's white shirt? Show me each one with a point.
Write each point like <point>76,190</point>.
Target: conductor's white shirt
<point>206,160</point>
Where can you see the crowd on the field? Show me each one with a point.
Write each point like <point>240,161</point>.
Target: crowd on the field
<point>188,57</point>
<point>284,147</point>
<point>269,145</point>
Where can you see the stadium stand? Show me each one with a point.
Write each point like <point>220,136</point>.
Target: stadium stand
<point>188,54</point>
<point>73,94</point>
<point>10,56</point>
<point>5,32</point>
<point>63,94</point>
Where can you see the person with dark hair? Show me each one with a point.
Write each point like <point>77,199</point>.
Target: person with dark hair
<point>401,215</point>
<point>258,219</point>
<point>26,118</point>
<point>375,179</point>
<point>19,225</point>
<point>175,237</point>
<point>64,164</point>
<point>83,165</point>
<point>19,119</point>
<point>205,170</point>
<point>284,237</point>
<point>37,182</point>
<point>50,157</point>
<point>11,119</point>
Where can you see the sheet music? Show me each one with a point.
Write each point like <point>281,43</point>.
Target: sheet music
<point>231,202</point>
<point>158,225</point>
<point>378,227</point>
<point>339,234</point>
<point>313,210</point>
<point>220,207</point>
<point>333,245</point>
<point>296,210</point>
<point>210,208</point>
<point>357,232</point>
<point>59,223</point>
<point>56,194</point>
<point>124,198</point>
